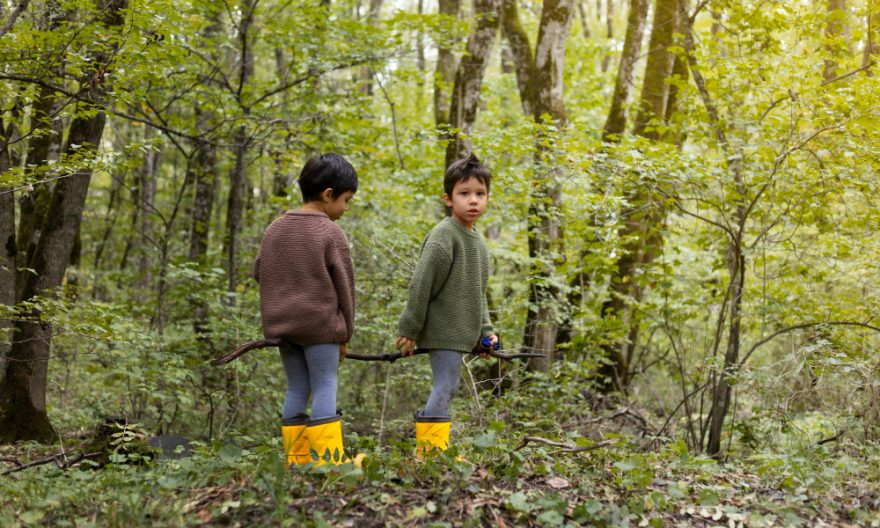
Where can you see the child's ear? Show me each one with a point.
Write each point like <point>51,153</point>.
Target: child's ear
<point>327,195</point>
<point>447,200</point>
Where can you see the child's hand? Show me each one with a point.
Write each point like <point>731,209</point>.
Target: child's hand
<point>341,352</point>
<point>493,342</point>
<point>405,345</point>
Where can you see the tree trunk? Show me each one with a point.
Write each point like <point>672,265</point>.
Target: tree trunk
<point>835,29</point>
<point>23,391</point>
<point>655,88</point>
<point>609,31</point>
<point>7,252</point>
<point>546,238</point>
<point>444,77</point>
<point>147,185</point>
<point>632,46</point>
<point>366,72</point>
<point>469,78</point>
<point>521,50</point>
<point>872,35</point>
<point>241,142</point>
<point>642,242</point>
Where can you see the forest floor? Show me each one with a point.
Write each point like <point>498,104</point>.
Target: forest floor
<point>491,480</point>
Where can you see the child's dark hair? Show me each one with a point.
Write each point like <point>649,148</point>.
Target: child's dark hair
<point>464,169</point>
<point>327,171</point>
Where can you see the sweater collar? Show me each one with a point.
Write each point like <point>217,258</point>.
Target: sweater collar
<point>299,212</point>
<point>463,229</point>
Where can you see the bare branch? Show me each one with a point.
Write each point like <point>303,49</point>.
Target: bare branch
<point>800,327</point>
<point>392,357</point>
<point>19,9</point>
<point>566,447</point>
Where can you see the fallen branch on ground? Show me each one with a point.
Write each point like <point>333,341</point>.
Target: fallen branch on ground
<point>59,459</point>
<point>566,447</point>
<point>392,357</point>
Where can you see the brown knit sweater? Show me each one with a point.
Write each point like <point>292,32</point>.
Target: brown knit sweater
<point>306,280</point>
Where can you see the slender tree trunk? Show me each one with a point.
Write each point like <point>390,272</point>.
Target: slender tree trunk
<point>642,242</point>
<point>147,185</point>
<point>366,72</point>
<point>585,26</point>
<point>420,44</point>
<point>444,76</point>
<point>655,87</point>
<point>835,29</point>
<point>521,50</point>
<point>42,146</point>
<point>23,391</point>
<point>469,78</point>
<point>546,237</point>
<point>7,252</point>
<point>609,31</point>
<point>872,35</point>
<point>632,46</point>
<point>241,142</point>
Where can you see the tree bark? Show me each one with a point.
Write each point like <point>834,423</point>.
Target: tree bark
<point>444,76</point>
<point>469,78</point>
<point>7,252</point>
<point>642,242</point>
<point>366,72</point>
<point>632,46</point>
<point>655,88</point>
<point>546,237</point>
<point>835,29</point>
<point>147,185</point>
<point>609,31</point>
<point>241,142</point>
<point>23,391</point>
<point>872,36</point>
<point>521,50</point>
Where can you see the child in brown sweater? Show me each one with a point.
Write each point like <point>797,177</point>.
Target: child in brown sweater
<point>306,278</point>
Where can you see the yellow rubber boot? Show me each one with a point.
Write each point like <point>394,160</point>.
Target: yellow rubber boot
<point>431,433</point>
<point>325,440</point>
<point>296,444</point>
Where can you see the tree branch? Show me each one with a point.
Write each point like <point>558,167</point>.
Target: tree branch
<point>392,357</point>
<point>800,327</point>
<point>566,447</point>
<point>19,9</point>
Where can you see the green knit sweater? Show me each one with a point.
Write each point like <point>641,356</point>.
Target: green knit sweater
<point>447,306</point>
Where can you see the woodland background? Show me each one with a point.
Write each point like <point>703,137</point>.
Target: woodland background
<point>683,219</point>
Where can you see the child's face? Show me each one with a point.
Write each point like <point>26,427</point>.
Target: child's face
<point>337,206</point>
<point>468,201</point>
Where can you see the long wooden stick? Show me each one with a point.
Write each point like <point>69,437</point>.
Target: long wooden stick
<point>392,357</point>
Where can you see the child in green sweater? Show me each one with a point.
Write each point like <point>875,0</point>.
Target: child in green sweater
<point>446,312</point>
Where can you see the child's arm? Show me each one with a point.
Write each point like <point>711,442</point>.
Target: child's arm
<point>342,274</point>
<point>486,328</point>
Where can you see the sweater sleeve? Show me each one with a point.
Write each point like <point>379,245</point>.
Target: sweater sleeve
<point>486,328</point>
<point>342,273</point>
<point>427,281</point>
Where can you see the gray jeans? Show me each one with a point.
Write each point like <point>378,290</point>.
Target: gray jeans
<point>446,366</point>
<point>310,369</point>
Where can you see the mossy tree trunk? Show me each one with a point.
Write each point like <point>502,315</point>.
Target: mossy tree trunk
<point>465,95</point>
<point>23,389</point>
<point>642,242</point>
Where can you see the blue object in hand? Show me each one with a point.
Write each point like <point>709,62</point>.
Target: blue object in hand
<point>486,343</point>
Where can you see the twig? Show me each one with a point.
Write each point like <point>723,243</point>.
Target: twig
<point>566,447</point>
<point>49,460</point>
<point>392,357</point>
<point>833,438</point>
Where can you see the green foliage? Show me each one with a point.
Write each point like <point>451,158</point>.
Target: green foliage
<point>137,321</point>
